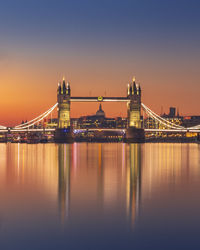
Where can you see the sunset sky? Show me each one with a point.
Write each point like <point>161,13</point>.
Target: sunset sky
<point>98,45</point>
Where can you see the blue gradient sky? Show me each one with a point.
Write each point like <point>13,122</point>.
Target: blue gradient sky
<point>98,46</point>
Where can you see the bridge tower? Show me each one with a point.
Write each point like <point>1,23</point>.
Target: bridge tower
<point>63,132</point>
<point>134,132</point>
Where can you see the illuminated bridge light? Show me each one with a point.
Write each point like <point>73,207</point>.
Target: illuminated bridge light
<point>100,98</point>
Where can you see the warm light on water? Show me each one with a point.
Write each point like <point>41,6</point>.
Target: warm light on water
<point>99,196</point>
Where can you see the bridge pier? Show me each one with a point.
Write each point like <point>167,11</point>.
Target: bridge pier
<point>63,133</point>
<point>134,132</point>
<point>135,135</point>
<point>63,136</point>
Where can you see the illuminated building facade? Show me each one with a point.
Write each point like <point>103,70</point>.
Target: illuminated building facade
<point>134,106</point>
<point>99,120</point>
<point>63,132</point>
<point>134,132</point>
<point>63,97</point>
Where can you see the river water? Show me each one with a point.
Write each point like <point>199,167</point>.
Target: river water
<point>99,196</point>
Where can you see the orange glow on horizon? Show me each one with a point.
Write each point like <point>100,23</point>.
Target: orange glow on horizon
<point>29,92</point>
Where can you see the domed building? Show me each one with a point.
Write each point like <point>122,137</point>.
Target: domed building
<point>99,120</point>
<point>100,112</point>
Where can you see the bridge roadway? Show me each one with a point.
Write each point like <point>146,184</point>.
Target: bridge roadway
<point>99,129</point>
<point>146,130</point>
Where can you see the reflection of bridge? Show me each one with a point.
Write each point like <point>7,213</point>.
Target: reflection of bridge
<point>69,186</point>
<point>135,127</point>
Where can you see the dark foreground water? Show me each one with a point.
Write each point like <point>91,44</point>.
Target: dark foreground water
<point>99,196</point>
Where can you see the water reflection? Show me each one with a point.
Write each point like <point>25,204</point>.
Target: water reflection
<point>133,182</point>
<point>100,179</point>
<point>64,181</point>
<point>113,187</point>
<point>96,188</point>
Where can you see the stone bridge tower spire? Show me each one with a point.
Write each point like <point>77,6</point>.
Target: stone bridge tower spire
<point>63,98</point>
<point>134,132</point>
<point>63,132</point>
<point>134,108</point>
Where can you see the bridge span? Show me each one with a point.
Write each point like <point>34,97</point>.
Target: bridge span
<point>134,131</point>
<point>99,99</point>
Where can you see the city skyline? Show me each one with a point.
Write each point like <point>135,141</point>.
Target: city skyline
<point>99,124</point>
<point>98,47</point>
<point>87,108</point>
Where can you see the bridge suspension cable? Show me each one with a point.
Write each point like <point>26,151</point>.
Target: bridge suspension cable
<point>160,119</point>
<point>148,111</point>
<point>35,120</point>
<point>195,127</point>
<point>2,127</point>
<point>157,117</point>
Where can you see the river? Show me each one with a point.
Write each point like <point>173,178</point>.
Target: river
<point>99,196</point>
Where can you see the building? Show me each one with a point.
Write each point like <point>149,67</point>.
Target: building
<point>173,117</point>
<point>99,120</point>
<point>191,121</point>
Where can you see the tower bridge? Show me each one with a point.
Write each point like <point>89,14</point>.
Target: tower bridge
<point>134,132</point>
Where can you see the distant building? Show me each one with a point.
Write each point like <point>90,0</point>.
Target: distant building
<point>151,123</point>
<point>172,112</point>
<point>100,112</point>
<point>99,120</point>
<point>173,117</point>
<point>190,121</point>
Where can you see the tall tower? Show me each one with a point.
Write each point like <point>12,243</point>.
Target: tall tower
<point>134,106</point>
<point>134,132</point>
<point>63,132</point>
<point>63,98</point>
